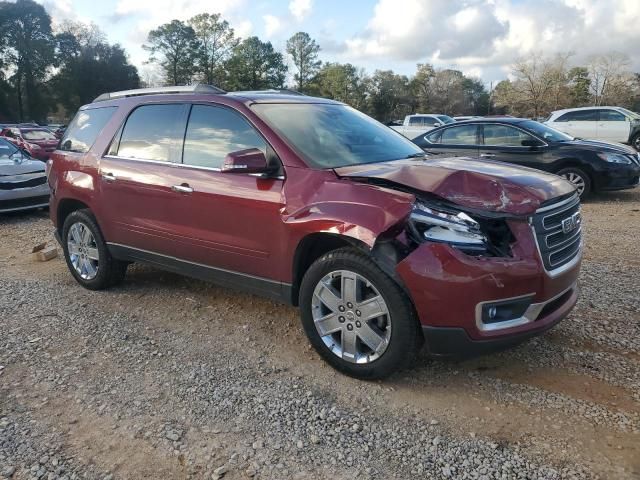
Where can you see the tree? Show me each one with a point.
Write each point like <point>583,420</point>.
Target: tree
<point>389,95</point>
<point>610,78</point>
<point>344,83</point>
<point>422,86</point>
<point>304,52</point>
<point>255,65</point>
<point>216,41</point>
<point>177,45</point>
<point>27,51</point>
<point>579,85</point>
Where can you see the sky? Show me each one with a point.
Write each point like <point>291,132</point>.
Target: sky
<point>480,37</point>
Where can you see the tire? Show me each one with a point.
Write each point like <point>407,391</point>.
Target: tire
<point>81,234</point>
<point>579,178</point>
<point>635,142</point>
<point>398,328</point>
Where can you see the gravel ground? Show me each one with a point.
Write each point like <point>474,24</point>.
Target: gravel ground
<point>168,377</point>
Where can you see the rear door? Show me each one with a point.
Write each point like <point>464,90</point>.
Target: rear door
<point>504,143</point>
<point>578,123</point>
<point>138,178</point>
<point>613,126</point>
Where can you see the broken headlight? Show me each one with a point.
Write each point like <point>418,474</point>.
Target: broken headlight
<point>456,229</point>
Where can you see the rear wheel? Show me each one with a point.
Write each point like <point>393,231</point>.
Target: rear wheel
<point>86,253</point>
<point>356,317</point>
<point>578,178</point>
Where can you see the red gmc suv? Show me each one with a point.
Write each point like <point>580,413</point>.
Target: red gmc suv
<point>310,202</point>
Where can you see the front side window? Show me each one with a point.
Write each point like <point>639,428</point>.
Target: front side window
<point>504,135</point>
<point>462,135</point>
<point>334,135</point>
<point>611,116</point>
<point>154,132</point>
<point>213,132</point>
<point>579,116</point>
<point>85,128</point>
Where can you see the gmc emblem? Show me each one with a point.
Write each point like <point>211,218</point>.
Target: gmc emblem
<point>569,224</point>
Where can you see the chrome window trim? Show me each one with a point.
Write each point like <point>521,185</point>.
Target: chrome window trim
<point>530,315</point>
<point>480,145</point>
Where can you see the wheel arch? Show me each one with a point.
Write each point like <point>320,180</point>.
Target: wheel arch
<point>575,163</point>
<point>67,206</point>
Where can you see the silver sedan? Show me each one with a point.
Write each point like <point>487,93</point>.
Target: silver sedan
<point>23,181</point>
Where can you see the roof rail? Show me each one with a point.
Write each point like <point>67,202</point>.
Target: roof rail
<point>196,88</point>
<point>270,91</point>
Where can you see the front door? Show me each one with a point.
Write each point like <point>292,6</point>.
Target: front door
<point>504,143</point>
<point>228,221</point>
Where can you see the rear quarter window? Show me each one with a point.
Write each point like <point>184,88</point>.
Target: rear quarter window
<point>85,128</point>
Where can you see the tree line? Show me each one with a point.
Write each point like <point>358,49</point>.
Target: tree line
<point>47,72</point>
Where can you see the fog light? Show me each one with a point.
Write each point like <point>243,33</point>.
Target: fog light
<point>493,311</point>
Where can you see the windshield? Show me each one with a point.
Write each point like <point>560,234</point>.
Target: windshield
<point>446,119</point>
<point>331,136</point>
<point>633,115</point>
<point>546,133</point>
<point>38,135</point>
<point>7,150</point>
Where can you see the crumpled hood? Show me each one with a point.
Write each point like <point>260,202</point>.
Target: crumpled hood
<point>11,167</point>
<point>475,184</point>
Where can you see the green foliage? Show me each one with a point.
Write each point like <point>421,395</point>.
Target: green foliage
<point>255,65</point>
<point>215,43</point>
<point>304,52</point>
<point>176,44</point>
<point>342,82</point>
<point>27,52</point>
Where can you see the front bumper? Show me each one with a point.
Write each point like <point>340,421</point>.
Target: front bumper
<point>24,198</point>
<point>450,289</point>
<point>619,177</point>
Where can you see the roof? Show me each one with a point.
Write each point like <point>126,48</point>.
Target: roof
<point>513,120</point>
<point>600,107</point>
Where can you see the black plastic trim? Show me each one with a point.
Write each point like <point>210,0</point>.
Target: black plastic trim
<point>264,287</point>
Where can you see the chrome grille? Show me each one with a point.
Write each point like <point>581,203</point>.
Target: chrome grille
<point>558,231</point>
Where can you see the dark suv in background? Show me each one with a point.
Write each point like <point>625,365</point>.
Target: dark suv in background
<point>310,202</point>
<point>589,164</point>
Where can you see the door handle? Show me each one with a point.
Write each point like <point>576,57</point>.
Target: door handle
<point>184,188</point>
<point>108,177</point>
<point>487,155</point>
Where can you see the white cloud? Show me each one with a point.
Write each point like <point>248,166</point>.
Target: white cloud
<point>272,25</point>
<point>300,9</point>
<point>490,34</point>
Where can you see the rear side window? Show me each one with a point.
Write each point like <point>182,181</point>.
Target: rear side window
<point>416,121</point>
<point>153,132</point>
<point>611,116</point>
<point>85,128</point>
<point>213,132</point>
<point>462,135</point>
<point>579,116</point>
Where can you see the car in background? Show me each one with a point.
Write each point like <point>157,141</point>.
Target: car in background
<point>588,164</point>
<point>23,182</point>
<point>611,124</point>
<point>308,201</point>
<point>26,137</point>
<point>419,123</point>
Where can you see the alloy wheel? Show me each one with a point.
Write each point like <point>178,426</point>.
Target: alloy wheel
<point>83,251</point>
<point>351,317</point>
<point>576,180</point>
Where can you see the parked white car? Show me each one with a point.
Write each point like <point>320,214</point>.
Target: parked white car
<point>420,123</point>
<point>613,124</point>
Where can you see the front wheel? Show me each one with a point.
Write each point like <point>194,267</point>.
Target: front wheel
<point>356,317</point>
<point>578,178</point>
<point>635,142</point>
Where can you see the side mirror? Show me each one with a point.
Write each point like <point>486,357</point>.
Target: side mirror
<point>437,124</point>
<point>251,160</point>
<point>530,143</point>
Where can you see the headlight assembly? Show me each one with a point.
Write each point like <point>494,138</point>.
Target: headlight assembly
<point>615,158</point>
<point>458,230</point>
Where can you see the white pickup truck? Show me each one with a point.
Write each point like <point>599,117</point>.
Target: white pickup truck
<point>420,123</point>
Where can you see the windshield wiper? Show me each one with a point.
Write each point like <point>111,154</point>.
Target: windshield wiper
<point>415,155</point>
